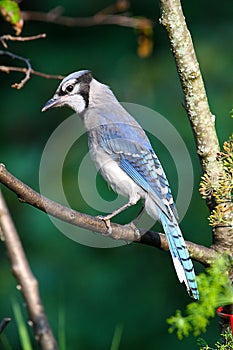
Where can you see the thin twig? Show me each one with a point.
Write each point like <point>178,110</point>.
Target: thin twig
<point>126,232</point>
<point>8,69</point>
<point>98,19</point>
<point>28,70</point>
<point>3,38</point>
<point>27,282</point>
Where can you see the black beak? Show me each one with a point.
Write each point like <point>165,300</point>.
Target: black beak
<point>55,101</point>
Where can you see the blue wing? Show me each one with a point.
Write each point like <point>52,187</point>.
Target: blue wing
<point>130,147</point>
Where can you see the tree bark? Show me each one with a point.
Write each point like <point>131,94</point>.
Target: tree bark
<point>28,284</point>
<point>201,119</point>
<point>124,232</point>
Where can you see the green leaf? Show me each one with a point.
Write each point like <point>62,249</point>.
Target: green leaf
<point>22,328</point>
<point>117,337</point>
<point>215,290</point>
<point>10,11</point>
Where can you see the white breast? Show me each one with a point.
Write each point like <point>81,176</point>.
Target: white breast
<point>115,176</point>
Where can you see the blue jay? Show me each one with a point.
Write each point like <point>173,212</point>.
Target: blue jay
<point>123,154</point>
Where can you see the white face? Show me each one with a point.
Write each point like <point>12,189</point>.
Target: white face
<point>76,102</point>
<point>71,96</point>
<point>73,92</point>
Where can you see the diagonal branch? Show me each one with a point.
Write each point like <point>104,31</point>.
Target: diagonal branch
<point>126,232</point>
<point>27,282</point>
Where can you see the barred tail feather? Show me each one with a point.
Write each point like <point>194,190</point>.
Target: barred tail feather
<point>180,256</point>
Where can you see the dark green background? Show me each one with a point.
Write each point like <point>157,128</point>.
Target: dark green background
<point>133,286</point>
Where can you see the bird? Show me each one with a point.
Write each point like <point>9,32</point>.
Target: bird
<point>125,158</point>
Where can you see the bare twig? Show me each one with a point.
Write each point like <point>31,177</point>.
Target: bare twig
<point>4,323</point>
<point>28,70</point>
<point>6,37</point>
<point>105,16</point>
<point>8,69</point>
<point>98,19</point>
<point>27,282</point>
<point>126,232</point>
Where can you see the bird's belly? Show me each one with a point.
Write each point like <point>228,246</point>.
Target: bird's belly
<point>119,181</point>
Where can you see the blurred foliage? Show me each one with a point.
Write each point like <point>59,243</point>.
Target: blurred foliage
<point>134,286</point>
<point>22,326</point>
<point>215,289</point>
<point>116,338</point>
<point>222,193</point>
<point>225,344</point>
<point>145,41</point>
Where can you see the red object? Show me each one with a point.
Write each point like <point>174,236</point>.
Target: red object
<point>220,313</point>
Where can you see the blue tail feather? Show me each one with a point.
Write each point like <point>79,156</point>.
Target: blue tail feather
<point>182,262</point>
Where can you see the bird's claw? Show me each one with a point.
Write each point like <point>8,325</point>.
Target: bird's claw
<point>107,223</point>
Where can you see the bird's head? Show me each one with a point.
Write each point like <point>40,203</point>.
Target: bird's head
<point>73,92</point>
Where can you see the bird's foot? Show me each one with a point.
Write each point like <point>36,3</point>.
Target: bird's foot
<point>107,221</point>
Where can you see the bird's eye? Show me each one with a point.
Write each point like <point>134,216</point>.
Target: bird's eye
<point>69,88</point>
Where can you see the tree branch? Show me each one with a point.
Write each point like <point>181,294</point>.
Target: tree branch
<point>202,121</point>
<point>8,69</point>
<point>27,70</point>
<point>197,252</point>
<point>6,37</point>
<point>127,232</point>
<point>98,19</point>
<point>27,282</point>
